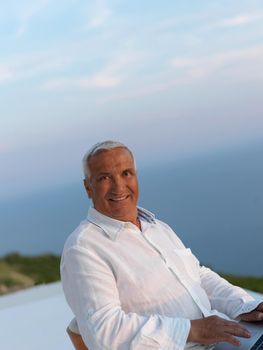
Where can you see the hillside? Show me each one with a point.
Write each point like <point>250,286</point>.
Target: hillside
<point>19,272</point>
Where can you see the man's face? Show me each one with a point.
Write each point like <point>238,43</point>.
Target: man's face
<point>113,184</point>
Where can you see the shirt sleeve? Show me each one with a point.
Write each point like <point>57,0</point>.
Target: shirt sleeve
<point>90,288</point>
<point>225,297</point>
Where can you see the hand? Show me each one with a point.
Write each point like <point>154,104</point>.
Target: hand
<point>214,329</point>
<point>254,315</point>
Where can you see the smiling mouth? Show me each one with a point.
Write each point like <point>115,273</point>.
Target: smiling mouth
<point>118,199</point>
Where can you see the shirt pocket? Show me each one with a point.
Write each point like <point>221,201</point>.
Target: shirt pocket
<point>189,263</point>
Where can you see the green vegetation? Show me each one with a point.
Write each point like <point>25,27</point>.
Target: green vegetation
<point>18,272</point>
<point>252,283</point>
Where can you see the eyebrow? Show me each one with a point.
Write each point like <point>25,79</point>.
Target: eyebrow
<point>130,169</point>
<point>104,173</point>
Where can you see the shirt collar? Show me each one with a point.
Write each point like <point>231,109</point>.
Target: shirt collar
<point>113,227</point>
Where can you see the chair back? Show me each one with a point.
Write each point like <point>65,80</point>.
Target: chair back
<point>75,337</point>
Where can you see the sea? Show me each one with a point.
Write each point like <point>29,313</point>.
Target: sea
<point>214,203</point>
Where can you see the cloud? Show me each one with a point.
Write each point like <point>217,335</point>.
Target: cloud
<point>110,76</point>
<point>60,62</point>
<point>240,20</point>
<point>237,63</point>
<point>26,66</point>
<point>146,90</point>
<point>188,70</point>
<point>28,12</point>
<point>6,73</point>
<point>100,14</point>
<point>98,81</point>
<point>203,66</point>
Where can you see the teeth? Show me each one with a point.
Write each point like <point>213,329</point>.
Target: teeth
<point>118,199</point>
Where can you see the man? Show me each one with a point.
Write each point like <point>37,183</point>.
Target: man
<point>130,281</point>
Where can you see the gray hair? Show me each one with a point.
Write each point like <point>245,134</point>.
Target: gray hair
<point>100,146</point>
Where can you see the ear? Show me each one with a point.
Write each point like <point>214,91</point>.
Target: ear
<point>87,186</point>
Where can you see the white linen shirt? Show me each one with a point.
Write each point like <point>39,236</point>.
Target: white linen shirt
<point>133,290</point>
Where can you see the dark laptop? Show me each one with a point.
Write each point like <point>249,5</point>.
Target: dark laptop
<point>255,342</point>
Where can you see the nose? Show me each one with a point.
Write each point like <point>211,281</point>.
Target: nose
<point>118,185</point>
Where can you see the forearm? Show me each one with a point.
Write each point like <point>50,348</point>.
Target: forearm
<point>120,331</point>
<point>225,297</point>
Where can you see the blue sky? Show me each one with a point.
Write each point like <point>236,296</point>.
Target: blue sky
<point>171,79</point>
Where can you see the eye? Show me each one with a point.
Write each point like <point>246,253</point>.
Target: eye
<point>104,178</point>
<point>127,173</point>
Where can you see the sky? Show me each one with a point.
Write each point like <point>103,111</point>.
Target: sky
<point>171,79</point>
